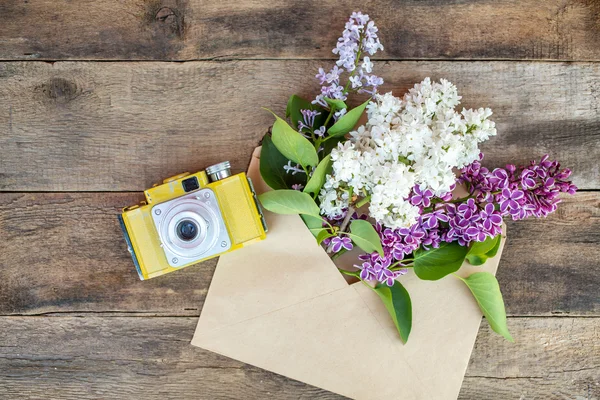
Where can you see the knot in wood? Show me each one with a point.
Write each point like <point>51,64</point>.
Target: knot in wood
<point>60,90</point>
<point>170,20</point>
<point>166,15</point>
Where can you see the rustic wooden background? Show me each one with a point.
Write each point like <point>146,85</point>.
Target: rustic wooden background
<point>99,99</point>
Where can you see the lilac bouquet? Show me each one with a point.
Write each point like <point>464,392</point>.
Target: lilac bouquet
<point>390,186</point>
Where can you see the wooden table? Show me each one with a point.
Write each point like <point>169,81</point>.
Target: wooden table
<point>100,99</point>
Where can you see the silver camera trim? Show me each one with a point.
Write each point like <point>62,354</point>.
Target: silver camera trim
<point>202,207</point>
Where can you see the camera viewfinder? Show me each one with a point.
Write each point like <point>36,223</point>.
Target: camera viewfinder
<point>190,184</point>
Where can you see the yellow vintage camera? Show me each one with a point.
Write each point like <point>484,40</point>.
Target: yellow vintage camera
<point>190,218</point>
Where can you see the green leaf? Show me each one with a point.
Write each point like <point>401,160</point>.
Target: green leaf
<point>348,121</point>
<point>287,201</point>
<point>478,253</point>
<point>435,263</point>
<point>486,291</point>
<point>314,224</point>
<point>324,234</point>
<point>294,105</point>
<point>365,236</point>
<point>317,179</point>
<point>292,144</point>
<point>297,103</point>
<point>336,104</point>
<point>494,250</point>
<point>271,167</point>
<point>397,301</point>
<point>330,144</point>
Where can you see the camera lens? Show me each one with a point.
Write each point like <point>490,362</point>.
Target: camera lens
<point>187,230</point>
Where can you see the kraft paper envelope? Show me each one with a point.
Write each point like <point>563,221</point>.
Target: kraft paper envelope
<point>283,306</point>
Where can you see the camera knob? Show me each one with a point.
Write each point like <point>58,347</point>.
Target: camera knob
<point>219,171</point>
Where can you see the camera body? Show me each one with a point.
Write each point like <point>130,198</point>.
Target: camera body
<point>190,218</point>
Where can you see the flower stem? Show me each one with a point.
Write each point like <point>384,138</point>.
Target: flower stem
<point>338,254</point>
<point>347,218</point>
<point>350,273</point>
<point>363,201</point>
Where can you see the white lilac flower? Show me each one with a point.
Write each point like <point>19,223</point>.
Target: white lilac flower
<point>414,141</point>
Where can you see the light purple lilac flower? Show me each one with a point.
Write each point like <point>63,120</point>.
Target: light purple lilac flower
<point>293,169</point>
<point>308,119</point>
<point>358,39</point>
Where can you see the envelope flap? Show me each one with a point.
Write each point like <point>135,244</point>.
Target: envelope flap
<point>284,269</point>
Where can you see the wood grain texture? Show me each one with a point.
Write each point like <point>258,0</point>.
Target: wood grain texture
<point>76,126</point>
<point>64,252</point>
<point>151,358</point>
<point>555,358</point>
<point>198,29</point>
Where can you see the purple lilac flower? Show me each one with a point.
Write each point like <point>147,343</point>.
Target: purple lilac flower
<point>297,186</point>
<point>358,38</point>
<point>491,219</point>
<point>510,200</point>
<point>308,119</point>
<point>520,192</point>
<point>421,198</point>
<point>379,270</point>
<point>337,243</point>
<point>517,192</point>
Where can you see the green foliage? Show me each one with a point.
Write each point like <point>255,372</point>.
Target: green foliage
<point>317,179</point>
<point>289,201</point>
<point>494,250</point>
<point>479,252</point>
<point>297,103</point>
<point>435,263</point>
<point>314,224</point>
<point>292,144</point>
<point>324,234</point>
<point>365,236</point>
<point>397,301</point>
<point>348,121</point>
<point>271,167</point>
<point>486,291</point>
<point>336,104</point>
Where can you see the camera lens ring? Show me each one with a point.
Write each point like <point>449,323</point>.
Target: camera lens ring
<point>187,230</point>
<point>201,215</point>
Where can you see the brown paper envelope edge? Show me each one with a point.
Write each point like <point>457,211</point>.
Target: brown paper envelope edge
<point>377,366</point>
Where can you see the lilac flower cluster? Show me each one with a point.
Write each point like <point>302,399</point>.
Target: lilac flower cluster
<point>517,192</point>
<point>529,191</point>
<point>359,38</point>
<point>307,127</point>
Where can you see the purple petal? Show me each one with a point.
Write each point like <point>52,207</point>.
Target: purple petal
<point>496,219</point>
<point>516,195</point>
<point>472,231</point>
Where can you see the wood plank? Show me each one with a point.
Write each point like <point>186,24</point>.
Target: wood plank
<point>552,358</point>
<point>64,252</point>
<point>126,358</point>
<point>76,126</point>
<point>151,358</point>
<point>197,29</point>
